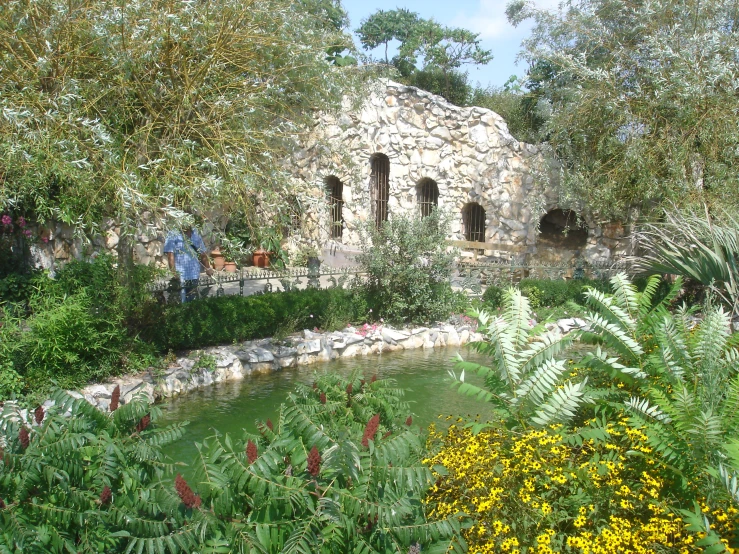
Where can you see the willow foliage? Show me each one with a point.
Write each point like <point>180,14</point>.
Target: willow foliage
<point>110,108</point>
<point>642,96</point>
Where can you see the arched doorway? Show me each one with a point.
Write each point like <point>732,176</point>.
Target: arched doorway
<point>561,229</point>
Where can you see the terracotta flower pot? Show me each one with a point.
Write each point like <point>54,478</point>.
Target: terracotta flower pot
<point>261,258</point>
<point>230,267</point>
<point>218,259</point>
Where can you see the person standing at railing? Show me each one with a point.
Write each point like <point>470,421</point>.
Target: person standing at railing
<point>186,254</point>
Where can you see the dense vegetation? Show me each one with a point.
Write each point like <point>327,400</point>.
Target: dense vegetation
<point>339,471</point>
<point>111,110</point>
<point>629,448</point>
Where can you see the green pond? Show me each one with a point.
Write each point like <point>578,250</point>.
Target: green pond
<point>236,406</point>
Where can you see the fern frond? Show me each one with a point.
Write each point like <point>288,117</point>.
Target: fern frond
<point>616,336</point>
<point>643,407</point>
<point>540,383</point>
<point>561,405</point>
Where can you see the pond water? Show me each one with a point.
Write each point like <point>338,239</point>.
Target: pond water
<point>236,406</point>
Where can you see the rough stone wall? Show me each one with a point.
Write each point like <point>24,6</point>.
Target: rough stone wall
<point>468,152</point>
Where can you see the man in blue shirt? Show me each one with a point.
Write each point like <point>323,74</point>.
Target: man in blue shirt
<point>186,254</point>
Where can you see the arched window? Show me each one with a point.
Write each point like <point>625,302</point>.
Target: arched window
<point>427,194</point>
<point>473,217</point>
<point>379,187</point>
<point>560,228</point>
<point>335,190</point>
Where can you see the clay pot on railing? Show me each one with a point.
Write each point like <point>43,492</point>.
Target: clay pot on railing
<point>260,258</point>
<point>218,259</point>
<point>229,267</point>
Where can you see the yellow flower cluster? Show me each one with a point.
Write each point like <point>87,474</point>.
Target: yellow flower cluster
<point>534,492</point>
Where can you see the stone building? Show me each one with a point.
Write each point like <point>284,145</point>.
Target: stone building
<point>406,151</point>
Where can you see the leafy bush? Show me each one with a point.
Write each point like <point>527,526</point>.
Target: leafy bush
<point>668,384</point>
<point>408,269</point>
<point>340,471</point>
<point>589,489</point>
<point>227,319</point>
<point>86,481</point>
<point>547,293</point>
<point>79,327</point>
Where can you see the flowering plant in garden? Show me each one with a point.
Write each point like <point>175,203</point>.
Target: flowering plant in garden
<point>639,456</point>
<point>594,489</point>
<point>343,475</point>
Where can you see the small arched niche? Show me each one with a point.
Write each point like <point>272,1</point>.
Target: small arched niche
<point>561,229</point>
<point>379,187</point>
<point>427,196</point>
<point>473,219</point>
<point>335,192</point>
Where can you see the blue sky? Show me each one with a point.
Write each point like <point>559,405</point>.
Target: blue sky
<point>486,17</point>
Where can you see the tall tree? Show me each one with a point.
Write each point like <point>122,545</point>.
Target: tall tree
<point>643,99</point>
<point>443,50</point>
<point>110,108</point>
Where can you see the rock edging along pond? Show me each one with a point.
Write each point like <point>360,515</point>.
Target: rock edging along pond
<point>201,368</point>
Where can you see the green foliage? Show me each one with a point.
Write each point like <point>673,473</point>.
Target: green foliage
<point>53,489</point>
<point>226,319</point>
<point>525,381</point>
<point>703,249</point>
<point>638,118</point>
<point>145,105</point>
<point>92,482</point>
<point>521,111</point>
<point>81,326</point>
<point>547,293</point>
<point>443,50</point>
<point>408,269</point>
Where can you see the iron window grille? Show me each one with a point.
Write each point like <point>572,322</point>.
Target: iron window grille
<point>427,196</point>
<point>380,187</point>
<point>335,189</point>
<point>473,217</point>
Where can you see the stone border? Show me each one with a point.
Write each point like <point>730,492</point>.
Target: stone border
<point>201,368</point>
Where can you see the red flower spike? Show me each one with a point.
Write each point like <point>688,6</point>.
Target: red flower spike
<point>314,462</point>
<point>39,414</point>
<point>370,430</point>
<point>2,504</point>
<point>323,398</point>
<point>24,437</point>
<point>115,398</point>
<point>269,425</point>
<point>374,378</point>
<point>144,423</point>
<point>362,382</point>
<point>189,498</point>
<point>106,496</point>
<point>251,452</point>
<point>315,385</point>
<point>349,388</point>
<point>409,421</point>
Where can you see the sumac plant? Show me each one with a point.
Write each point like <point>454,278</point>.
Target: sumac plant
<point>97,482</point>
<point>82,480</point>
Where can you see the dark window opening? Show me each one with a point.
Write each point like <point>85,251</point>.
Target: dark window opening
<point>473,217</point>
<point>335,189</point>
<point>380,187</point>
<point>427,196</point>
<point>561,229</point>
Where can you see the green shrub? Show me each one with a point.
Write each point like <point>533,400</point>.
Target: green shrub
<point>340,470</point>
<point>408,269</point>
<point>227,319</point>
<point>493,297</point>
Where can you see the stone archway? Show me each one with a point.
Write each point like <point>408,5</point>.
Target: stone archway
<point>379,187</point>
<point>562,229</point>
<point>427,196</point>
